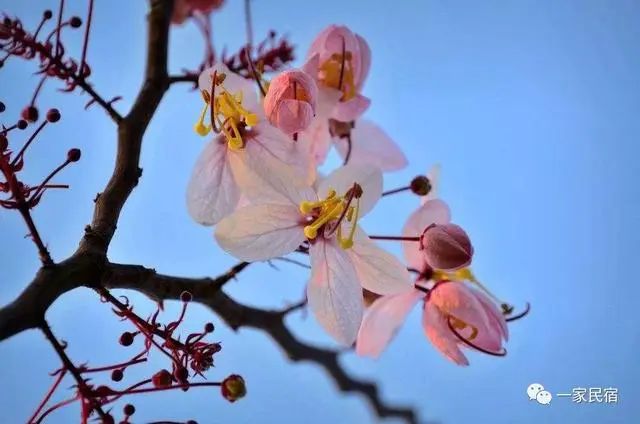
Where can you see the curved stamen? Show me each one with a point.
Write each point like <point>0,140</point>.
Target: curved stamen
<point>520,315</point>
<point>470,344</point>
<point>348,200</point>
<point>344,48</point>
<point>212,101</point>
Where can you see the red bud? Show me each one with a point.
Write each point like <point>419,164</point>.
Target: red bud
<point>30,113</point>
<point>161,379</point>
<point>446,247</point>
<point>233,388</point>
<point>73,155</point>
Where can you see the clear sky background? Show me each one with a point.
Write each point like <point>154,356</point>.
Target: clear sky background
<point>531,108</point>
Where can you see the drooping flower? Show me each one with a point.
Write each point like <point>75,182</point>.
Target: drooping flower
<point>455,315</point>
<point>245,142</point>
<point>290,103</point>
<point>343,259</point>
<point>339,61</point>
<point>182,9</point>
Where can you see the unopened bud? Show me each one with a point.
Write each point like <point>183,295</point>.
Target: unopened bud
<point>446,247</point>
<point>22,124</point>
<point>233,388</point>
<point>185,296</point>
<point>116,375</point>
<point>30,114</point>
<point>161,379</point>
<point>2,107</point>
<point>126,339</point>
<point>181,374</point>
<point>75,22</point>
<point>208,327</point>
<point>53,115</point>
<point>73,155</point>
<point>420,185</point>
<point>47,14</point>
<point>129,409</point>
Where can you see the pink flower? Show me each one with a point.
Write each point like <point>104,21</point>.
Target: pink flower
<point>246,144</point>
<point>182,9</point>
<point>343,259</point>
<point>454,316</point>
<point>290,103</point>
<point>339,60</point>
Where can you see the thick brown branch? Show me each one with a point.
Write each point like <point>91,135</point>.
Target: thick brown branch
<point>207,291</point>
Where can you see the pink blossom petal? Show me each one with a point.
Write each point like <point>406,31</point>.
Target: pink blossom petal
<point>365,62</point>
<point>342,179</point>
<point>371,145</point>
<point>317,140</point>
<point>333,292</point>
<point>382,320</point>
<point>260,232</point>
<point>378,271</point>
<point>293,116</point>
<point>432,212</point>
<point>437,330</point>
<point>458,300</point>
<point>496,318</point>
<point>351,109</point>
<point>212,192</point>
<point>311,65</point>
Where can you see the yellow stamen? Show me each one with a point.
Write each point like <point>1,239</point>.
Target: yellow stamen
<point>459,324</point>
<point>352,216</point>
<point>333,69</point>
<point>332,208</point>
<point>228,113</point>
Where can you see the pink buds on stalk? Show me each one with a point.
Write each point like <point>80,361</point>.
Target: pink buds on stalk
<point>446,247</point>
<point>290,103</point>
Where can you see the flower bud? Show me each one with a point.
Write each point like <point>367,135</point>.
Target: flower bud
<point>75,22</point>
<point>446,247</point>
<point>185,296</point>
<point>117,374</point>
<point>181,374</point>
<point>4,143</point>
<point>30,113</point>
<point>22,124</point>
<point>129,409</point>
<point>161,379</point>
<point>290,103</point>
<point>47,14</point>
<point>420,185</point>
<point>53,115</point>
<point>73,155</point>
<point>126,339</point>
<point>209,327</point>
<point>233,388</point>
<point>2,107</point>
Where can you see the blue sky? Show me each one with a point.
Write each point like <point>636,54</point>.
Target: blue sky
<point>530,107</point>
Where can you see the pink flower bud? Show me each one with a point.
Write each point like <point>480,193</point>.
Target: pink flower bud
<point>290,103</point>
<point>446,247</point>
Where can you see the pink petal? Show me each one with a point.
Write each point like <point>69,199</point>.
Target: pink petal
<point>212,192</point>
<point>382,320</point>
<point>292,116</point>
<point>365,62</point>
<point>457,299</point>
<point>317,140</point>
<point>343,178</point>
<point>351,109</point>
<point>437,330</point>
<point>333,292</point>
<point>378,271</point>
<point>260,232</point>
<point>371,145</point>
<point>496,318</point>
<point>432,212</point>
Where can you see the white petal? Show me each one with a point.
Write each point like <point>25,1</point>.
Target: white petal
<point>371,145</point>
<point>334,295</point>
<point>378,270</point>
<point>342,179</point>
<point>260,232</point>
<point>382,320</point>
<point>212,192</point>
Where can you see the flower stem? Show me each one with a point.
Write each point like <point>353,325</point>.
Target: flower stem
<point>394,238</point>
<point>395,190</point>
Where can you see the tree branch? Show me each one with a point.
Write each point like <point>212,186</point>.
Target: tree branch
<point>207,292</point>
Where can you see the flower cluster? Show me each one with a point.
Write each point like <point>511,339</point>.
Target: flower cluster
<point>257,182</point>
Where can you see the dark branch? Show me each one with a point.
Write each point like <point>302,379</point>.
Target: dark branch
<point>207,291</point>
